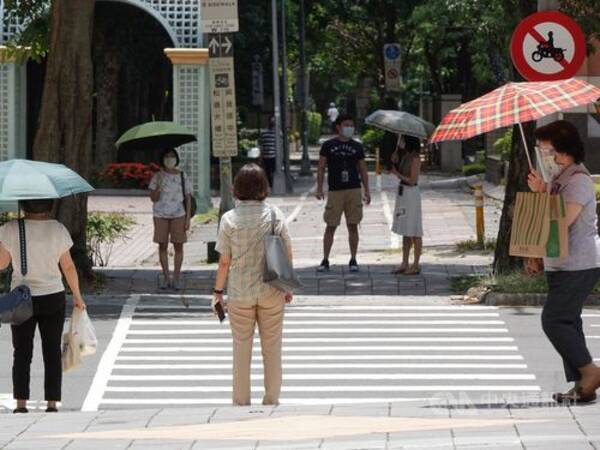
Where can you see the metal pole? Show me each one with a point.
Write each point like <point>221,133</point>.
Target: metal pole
<point>284,102</point>
<point>278,176</point>
<point>305,167</point>
<point>226,190</point>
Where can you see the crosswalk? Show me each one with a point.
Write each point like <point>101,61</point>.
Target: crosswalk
<point>591,321</point>
<point>164,353</point>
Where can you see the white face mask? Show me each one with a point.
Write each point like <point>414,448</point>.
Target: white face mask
<point>170,163</point>
<point>348,132</point>
<point>548,165</point>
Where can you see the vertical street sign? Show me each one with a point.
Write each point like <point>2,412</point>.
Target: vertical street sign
<point>220,16</point>
<point>222,89</point>
<point>258,90</point>
<point>393,79</point>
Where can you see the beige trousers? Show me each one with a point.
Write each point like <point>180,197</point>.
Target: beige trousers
<point>244,317</point>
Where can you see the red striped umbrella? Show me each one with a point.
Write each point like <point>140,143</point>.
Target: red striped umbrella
<point>512,104</point>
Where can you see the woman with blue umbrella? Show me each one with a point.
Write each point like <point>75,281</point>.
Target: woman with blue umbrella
<point>38,248</point>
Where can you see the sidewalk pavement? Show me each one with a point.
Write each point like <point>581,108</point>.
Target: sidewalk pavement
<point>448,215</point>
<point>504,423</point>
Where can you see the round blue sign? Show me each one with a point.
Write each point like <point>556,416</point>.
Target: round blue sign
<point>392,52</point>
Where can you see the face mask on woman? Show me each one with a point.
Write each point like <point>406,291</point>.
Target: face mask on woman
<point>170,162</point>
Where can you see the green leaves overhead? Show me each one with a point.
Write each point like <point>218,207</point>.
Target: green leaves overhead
<point>32,21</point>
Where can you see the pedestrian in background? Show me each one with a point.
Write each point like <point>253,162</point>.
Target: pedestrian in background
<point>268,150</point>
<point>332,116</point>
<point>344,159</point>
<point>570,279</point>
<point>408,219</point>
<point>172,215</point>
<point>250,301</point>
<point>47,245</point>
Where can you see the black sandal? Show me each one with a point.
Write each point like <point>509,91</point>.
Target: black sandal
<point>49,409</point>
<point>20,411</point>
<point>574,396</point>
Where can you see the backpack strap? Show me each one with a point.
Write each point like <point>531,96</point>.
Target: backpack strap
<point>23,246</point>
<point>183,185</point>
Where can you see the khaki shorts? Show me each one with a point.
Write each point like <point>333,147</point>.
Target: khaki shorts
<point>175,228</point>
<point>348,202</point>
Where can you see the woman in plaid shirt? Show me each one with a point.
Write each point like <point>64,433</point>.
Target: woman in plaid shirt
<point>251,301</point>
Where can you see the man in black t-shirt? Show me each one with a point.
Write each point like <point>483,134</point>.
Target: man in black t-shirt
<point>344,159</point>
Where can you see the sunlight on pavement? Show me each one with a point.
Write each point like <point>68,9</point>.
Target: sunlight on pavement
<point>293,428</point>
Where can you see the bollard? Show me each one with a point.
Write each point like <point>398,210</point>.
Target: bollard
<point>480,225</point>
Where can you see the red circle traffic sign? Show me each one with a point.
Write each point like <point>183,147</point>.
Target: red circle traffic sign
<point>548,46</point>
<point>393,73</point>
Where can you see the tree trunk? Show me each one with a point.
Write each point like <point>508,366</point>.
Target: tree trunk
<point>107,65</point>
<point>516,182</point>
<point>65,126</point>
<point>517,178</point>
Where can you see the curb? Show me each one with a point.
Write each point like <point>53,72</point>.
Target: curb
<point>119,192</point>
<point>499,299</point>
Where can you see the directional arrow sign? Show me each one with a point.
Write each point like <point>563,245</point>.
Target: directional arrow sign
<point>220,45</point>
<point>226,44</point>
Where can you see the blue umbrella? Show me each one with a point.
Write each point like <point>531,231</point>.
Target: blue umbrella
<point>21,179</point>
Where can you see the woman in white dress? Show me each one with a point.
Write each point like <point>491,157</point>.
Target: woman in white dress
<point>408,220</point>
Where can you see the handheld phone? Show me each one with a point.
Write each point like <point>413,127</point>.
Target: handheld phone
<point>220,311</point>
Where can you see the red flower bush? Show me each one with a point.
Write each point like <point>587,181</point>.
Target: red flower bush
<point>129,175</point>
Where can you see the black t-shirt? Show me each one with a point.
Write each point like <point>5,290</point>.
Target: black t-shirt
<point>342,163</point>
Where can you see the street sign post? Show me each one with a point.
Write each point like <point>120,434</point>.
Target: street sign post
<point>223,111</point>
<point>392,57</point>
<point>548,46</point>
<point>220,16</point>
<point>222,88</point>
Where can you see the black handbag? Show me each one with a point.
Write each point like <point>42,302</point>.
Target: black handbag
<point>16,307</point>
<point>279,271</point>
<point>193,206</point>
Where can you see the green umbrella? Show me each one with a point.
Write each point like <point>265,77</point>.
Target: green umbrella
<point>155,135</point>
<point>21,179</point>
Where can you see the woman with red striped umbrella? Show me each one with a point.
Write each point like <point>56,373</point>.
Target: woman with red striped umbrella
<point>572,278</point>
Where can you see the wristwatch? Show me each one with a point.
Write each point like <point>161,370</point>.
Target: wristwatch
<point>218,291</point>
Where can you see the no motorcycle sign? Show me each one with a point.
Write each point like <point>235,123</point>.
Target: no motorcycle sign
<point>548,46</point>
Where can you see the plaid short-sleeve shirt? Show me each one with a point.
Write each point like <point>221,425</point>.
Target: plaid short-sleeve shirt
<point>241,236</point>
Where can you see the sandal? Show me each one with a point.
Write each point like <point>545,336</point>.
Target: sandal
<point>413,271</point>
<point>574,396</point>
<point>20,411</point>
<point>398,270</point>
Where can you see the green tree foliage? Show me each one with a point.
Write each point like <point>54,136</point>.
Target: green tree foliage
<point>33,17</point>
<point>587,15</point>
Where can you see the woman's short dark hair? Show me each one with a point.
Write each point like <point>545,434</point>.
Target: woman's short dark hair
<point>165,152</point>
<point>564,137</point>
<point>37,206</point>
<point>251,183</point>
<point>412,144</point>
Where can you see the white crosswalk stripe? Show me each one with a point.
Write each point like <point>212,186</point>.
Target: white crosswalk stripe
<point>167,354</point>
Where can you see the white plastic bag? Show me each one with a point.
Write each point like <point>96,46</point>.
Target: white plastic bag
<point>71,349</point>
<point>85,331</point>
